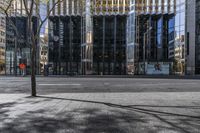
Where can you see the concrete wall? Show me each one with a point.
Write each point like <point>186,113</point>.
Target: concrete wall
<point>191,29</point>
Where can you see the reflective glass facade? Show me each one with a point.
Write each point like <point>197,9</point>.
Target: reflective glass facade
<point>132,53</point>
<point>109,45</point>
<point>160,33</point>
<point>20,47</point>
<point>108,37</point>
<point>2,45</point>
<point>65,47</point>
<point>197,47</point>
<point>155,44</point>
<point>92,37</point>
<point>180,23</point>
<point>118,36</point>
<point>17,46</point>
<point>2,39</point>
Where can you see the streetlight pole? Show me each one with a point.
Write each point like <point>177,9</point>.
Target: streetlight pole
<point>144,47</point>
<point>144,51</point>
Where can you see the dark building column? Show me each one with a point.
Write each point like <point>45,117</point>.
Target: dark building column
<point>115,47</point>
<point>70,43</point>
<point>197,46</point>
<point>103,50</point>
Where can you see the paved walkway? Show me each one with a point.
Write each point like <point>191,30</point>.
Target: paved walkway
<point>147,112</point>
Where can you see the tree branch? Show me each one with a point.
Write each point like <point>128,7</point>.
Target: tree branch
<point>5,12</point>
<point>48,14</point>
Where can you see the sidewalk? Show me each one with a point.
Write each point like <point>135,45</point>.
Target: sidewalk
<point>130,76</point>
<point>116,76</point>
<point>157,112</point>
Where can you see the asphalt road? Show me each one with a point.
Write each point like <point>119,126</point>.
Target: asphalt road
<point>46,85</point>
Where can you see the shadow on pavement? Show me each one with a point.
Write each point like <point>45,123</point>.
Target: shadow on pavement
<point>115,119</point>
<point>133,107</point>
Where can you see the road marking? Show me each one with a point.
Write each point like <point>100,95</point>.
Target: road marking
<point>59,84</point>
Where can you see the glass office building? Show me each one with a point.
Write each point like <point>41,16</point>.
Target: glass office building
<point>180,37</point>
<point>64,47</point>
<point>16,45</point>
<point>88,39</point>
<point>117,37</point>
<point>160,36</point>
<point>109,44</point>
<point>18,48</point>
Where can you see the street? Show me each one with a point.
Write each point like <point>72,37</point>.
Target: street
<point>47,85</point>
<point>100,105</point>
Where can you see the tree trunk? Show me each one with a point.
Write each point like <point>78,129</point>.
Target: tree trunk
<point>33,57</point>
<point>33,78</point>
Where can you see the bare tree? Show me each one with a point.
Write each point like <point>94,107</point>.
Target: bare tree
<point>31,8</point>
<point>31,11</point>
<point>5,11</point>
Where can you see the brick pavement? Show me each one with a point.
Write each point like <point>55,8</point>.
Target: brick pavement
<point>158,112</point>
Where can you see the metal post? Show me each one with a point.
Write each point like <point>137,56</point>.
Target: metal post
<point>59,47</point>
<point>103,45</point>
<point>70,44</point>
<point>144,48</point>
<point>115,36</point>
<point>144,51</point>
<point>81,72</point>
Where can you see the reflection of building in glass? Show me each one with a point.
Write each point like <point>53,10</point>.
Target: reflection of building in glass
<point>155,6</point>
<point>2,45</point>
<point>160,34</point>
<point>2,40</point>
<point>17,41</point>
<point>157,44</point>
<point>110,6</point>
<point>109,44</point>
<point>20,47</point>
<point>64,47</point>
<point>43,54</point>
<point>116,36</point>
<point>65,37</point>
<point>88,41</point>
<point>180,36</point>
